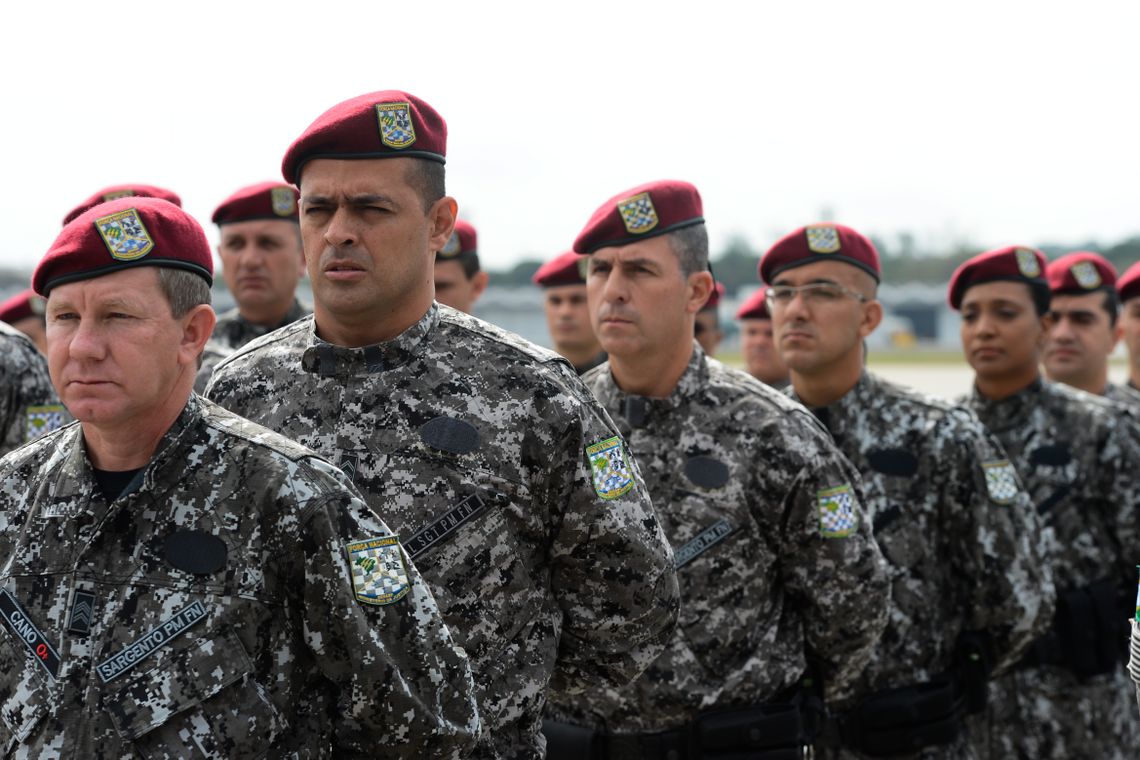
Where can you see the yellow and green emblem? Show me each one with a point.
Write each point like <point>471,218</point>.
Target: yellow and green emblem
<point>42,419</point>
<point>396,128</point>
<point>837,515</point>
<point>379,575</point>
<point>638,214</point>
<point>822,238</point>
<point>125,235</point>
<point>610,468</point>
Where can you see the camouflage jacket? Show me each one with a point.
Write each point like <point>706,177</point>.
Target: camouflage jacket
<point>776,563</point>
<point>1123,394</point>
<point>233,330</point>
<point>28,404</point>
<point>547,561</point>
<point>213,353</point>
<point>209,612</point>
<point>954,523</point>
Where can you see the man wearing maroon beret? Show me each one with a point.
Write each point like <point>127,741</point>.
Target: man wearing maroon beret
<point>262,261</point>
<point>114,192</point>
<point>563,286</point>
<point>176,581</point>
<point>757,343</point>
<point>1084,326</point>
<point>459,281</point>
<point>507,482</point>
<point>779,574</point>
<point>1128,290</point>
<point>25,312</point>
<point>948,512</point>
<point>1076,454</point>
<point>706,326</point>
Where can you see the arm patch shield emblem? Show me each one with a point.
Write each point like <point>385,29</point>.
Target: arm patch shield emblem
<point>610,468</point>
<point>42,419</point>
<point>1001,481</point>
<point>837,516</point>
<point>377,568</point>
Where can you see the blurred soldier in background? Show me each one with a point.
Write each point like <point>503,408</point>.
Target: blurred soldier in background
<point>563,284</point>
<point>130,190</point>
<point>757,344</point>
<point>25,312</point>
<point>1076,454</point>
<point>28,404</point>
<point>706,326</point>
<point>960,536</point>
<point>459,281</point>
<point>1128,290</point>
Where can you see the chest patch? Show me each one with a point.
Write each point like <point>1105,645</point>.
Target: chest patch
<point>898,462</point>
<point>1001,481</point>
<point>706,472</point>
<point>450,434</point>
<point>702,542</point>
<point>150,642</point>
<point>195,552</point>
<point>21,626</point>
<point>462,513</point>
<point>1051,455</point>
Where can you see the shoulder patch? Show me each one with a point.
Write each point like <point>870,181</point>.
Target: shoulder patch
<point>42,419</point>
<point>1001,481</point>
<point>610,468</point>
<point>377,568</point>
<point>837,517</point>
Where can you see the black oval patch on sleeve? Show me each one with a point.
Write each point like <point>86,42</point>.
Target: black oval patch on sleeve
<point>1053,454</point>
<point>451,435</point>
<point>706,472</point>
<point>898,462</point>
<point>195,551</point>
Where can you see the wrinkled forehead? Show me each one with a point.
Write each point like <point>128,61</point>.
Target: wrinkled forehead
<point>136,287</point>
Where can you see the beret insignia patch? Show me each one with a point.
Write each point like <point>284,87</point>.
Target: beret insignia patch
<point>1027,262</point>
<point>584,267</point>
<point>837,517</point>
<point>125,235</point>
<point>1084,272</point>
<point>379,575</point>
<point>638,214</point>
<point>118,194</point>
<point>452,247</point>
<point>610,468</point>
<point>42,419</point>
<point>822,239</point>
<point>396,129</point>
<point>1001,481</point>
<point>283,201</point>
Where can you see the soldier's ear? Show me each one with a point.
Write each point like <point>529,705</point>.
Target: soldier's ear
<point>700,287</point>
<point>441,222</point>
<point>197,326</point>
<point>872,318</point>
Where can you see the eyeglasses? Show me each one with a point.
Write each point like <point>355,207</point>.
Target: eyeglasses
<point>813,293</point>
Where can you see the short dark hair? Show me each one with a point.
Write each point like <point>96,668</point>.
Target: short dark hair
<point>428,179</point>
<point>1112,305</point>
<point>469,261</point>
<point>183,290</point>
<point>1042,296</point>
<point>691,244</point>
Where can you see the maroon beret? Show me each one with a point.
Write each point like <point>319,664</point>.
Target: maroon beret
<point>463,240</point>
<point>755,306</point>
<point>123,191</point>
<point>820,242</point>
<point>655,208</point>
<point>125,233</point>
<point>715,295</point>
<point>21,306</point>
<point>1080,272</point>
<point>565,269</point>
<point>1016,263</point>
<point>265,200</point>
<point>387,124</point>
<point>1128,286</point>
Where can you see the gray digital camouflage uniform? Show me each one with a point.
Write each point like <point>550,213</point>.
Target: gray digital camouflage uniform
<point>233,330</point>
<point>211,610</point>
<point>548,562</point>
<point>1077,456</point>
<point>28,404</point>
<point>1123,394</point>
<point>957,529</point>
<point>213,354</point>
<point>775,561</point>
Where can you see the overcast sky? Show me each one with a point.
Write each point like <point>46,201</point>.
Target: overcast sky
<point>992,122</point>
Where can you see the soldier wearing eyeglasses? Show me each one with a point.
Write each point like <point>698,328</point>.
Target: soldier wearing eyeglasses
<point>969,589</point>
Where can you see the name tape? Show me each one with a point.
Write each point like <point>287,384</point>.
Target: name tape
<point>151,641</point>
<point>26,631</point>
<point>461,513</point>
<point>705,540</point>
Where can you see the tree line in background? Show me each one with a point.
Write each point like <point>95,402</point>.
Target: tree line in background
<point>735,265</point>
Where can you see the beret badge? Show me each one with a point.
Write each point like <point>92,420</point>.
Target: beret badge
<point>1084,272</point>
<point>822,239</point>
<point>638,213</point>
<point>282,201</point>
<point>396,129</point>
<point>126,237</point>
<point>1027,263</point>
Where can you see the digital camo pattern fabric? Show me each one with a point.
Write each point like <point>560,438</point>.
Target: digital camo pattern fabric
<point>776,562</point>
<point>1123,394</point>
<point>958,532</point>
<point>208,612</point>
<point>1076,455</point>
<point>213,354</point>
<point>472,444</point>
<point>233,330</point>
<point>28,404</point>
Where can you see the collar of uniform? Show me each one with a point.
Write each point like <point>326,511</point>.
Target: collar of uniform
<point>240,330</point>
<point>637,409</point>
<point>1002,414</point>
<point>837,415</point>
<point>329,360</point>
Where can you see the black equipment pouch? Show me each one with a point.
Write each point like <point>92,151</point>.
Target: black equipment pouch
<point>1086,634</point>
<point>904,720</point>
<point>974,665</point>
<point>764,732</point>
<point>565,741</point>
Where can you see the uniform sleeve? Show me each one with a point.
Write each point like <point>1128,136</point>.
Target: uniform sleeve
<point>831,565</point>
<point>997,546</point>
<point>1119,456</point>
<point>405,688</point>
<point>24,383</point>
<point>612,569</point>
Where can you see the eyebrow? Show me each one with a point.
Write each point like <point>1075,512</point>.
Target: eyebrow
<point>359,199</point>
<point>816,281</point>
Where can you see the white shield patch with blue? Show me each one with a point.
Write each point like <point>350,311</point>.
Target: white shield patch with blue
<point>638,213</point>
<point>610,468</point>
<point>283,201</point>
<point>1027,262</point>
<point>125,235</point>
<point>1001,481</point>
<point>823,239</point>
<point>1084,272</point>
<point>837,516</point>
<point>42,419</point>
<point>396,128</point>
<point>379,575</point>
